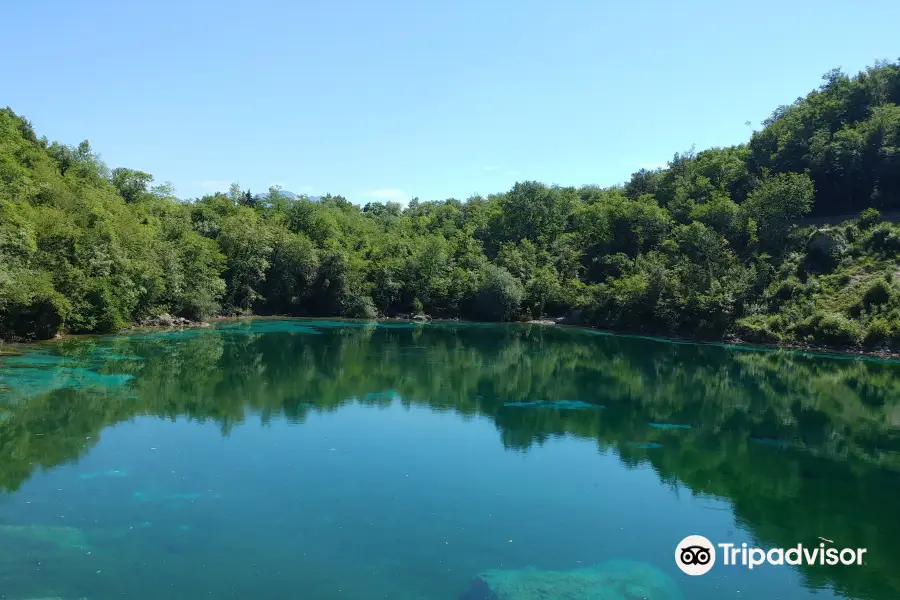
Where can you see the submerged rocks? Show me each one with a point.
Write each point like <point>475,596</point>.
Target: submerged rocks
<point>611,580</point>
<point>554,404</point>
<point>61,537</point>
<point>167,320</point>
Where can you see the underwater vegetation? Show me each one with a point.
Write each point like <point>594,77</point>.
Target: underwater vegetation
<point>114,473</point>
<point>178,497</point>
<point>63,537</point>
<point>39,373</point>
<point>386,395</point>
<point>777,444</point>
<point>557,404</point>
<point>611,580</point>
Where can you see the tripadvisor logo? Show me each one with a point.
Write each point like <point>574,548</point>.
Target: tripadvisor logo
<point>696,555</point>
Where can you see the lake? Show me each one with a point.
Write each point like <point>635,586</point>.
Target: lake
<point>312,459</point>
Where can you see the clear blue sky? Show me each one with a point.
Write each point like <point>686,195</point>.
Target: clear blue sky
<point>400,98</point>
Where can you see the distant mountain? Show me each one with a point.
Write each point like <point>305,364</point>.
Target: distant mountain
<point>285,193</point>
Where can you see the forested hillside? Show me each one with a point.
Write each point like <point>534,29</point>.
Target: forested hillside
<point>707,247</point>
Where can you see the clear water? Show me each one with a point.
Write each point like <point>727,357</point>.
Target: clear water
<point>280,459</point>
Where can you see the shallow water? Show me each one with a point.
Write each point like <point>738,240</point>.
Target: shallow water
<point>285,459</point>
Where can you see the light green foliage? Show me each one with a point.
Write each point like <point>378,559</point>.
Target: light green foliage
<point>776,203</point>
<point>868,218</point>
<point>85,249</point>
<point>131,185</point>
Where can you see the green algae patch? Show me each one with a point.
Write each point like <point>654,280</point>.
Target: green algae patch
<point>37,359</point>
<point>166,334</point>
<point>112,473</point>
<point>555,404</point>
<point>385,395</point>
<point>611,580</point>
<point>61,537</point>
<point>34,373</point>
<point>669,426</point>
<point>20,382</point>
<point>178,497</point>
<point>778,444</point>
<point>643,445</point>
<point>263,326</point>
<point>119,357</point>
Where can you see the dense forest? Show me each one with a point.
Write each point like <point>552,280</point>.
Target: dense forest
<point>717,244</point>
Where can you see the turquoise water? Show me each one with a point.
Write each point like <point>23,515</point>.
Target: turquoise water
<point>285,459</point>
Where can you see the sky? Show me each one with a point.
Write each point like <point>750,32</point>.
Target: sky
<point>394,99</point>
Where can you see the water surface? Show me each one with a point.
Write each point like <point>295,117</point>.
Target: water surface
<point>285,459</point>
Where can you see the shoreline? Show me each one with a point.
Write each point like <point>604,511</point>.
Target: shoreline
<point>845,352</point>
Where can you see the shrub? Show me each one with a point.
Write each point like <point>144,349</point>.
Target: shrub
<point>757,329</point>
<point>878,332</point>
<point>831,329</point>
<point>868,218</point>
<point>884,238</point>
<point>500,296</point>
<point>786,288</point>
<point>360,307</point>
<point>30,307</point>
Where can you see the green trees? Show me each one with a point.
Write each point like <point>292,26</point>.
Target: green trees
<point>294,263</point>
<point>246,242</point>
<point>845,134</point>
<point>776,203</point>
<point>132,185</point>
<point>500,295</point>
<point>709,246</point>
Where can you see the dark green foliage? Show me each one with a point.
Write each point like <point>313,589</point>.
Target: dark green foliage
<point>294,265</point>
<point>360,307</point>
<point>878,293</point>
<point>710,246</point>
<point>776,203</point>
<point>868,218</point>
<point>846,134</point>
<point>884,239</point>
<point>500,296</point>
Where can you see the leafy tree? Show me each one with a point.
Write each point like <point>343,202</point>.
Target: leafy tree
<point>500,295</point>
<point>132,185</point>
<point>246,242</point>
<point>777,202</point>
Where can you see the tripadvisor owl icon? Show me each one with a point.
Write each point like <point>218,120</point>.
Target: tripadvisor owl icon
<point>695,555</point>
